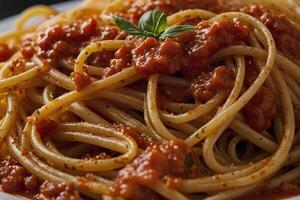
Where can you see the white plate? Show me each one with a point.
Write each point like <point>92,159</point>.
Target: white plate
<point>6,25</point>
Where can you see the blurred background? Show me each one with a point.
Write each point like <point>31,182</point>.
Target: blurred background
<point>13,7</point>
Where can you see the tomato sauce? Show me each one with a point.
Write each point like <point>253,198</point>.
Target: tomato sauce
<point>5,52</point>
<point>63,42</point>
<point>81,80</point>
<point>63,190</point>
<point>157,161</point>
<point>153,57</point>
<point>261,110</point>
<point>28,48</point>
<point>59,40</point>
<point>205,86</point>
<point>15,178</point>
<point>18,66</point>
<point>148,56</point>
<point>196,47</point>
<point>286,35</point>
<point>286,190</point>
<point>187,54</point>
<point>142,140</point>
<point>66,41</point>
<point>205,40</point>
<point>121,60</point>
<point>43,125</point>
<point>101,59</point>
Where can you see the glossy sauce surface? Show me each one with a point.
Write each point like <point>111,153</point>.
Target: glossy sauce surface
<point>158,161</point>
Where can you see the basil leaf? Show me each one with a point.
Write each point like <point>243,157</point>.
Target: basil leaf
<point>175,30</point>
<point>128,27</point>
<point>154,22</point>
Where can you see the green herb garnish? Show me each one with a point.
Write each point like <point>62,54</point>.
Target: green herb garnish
<point>152,24</point>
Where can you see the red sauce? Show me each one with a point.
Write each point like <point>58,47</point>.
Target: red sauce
<point>205,86</point>
<point>77,32</point>
<point>18,66</point>
<point>148,57</point>
<point>81,80</point>
<point>101,59</point>
<point>286,35</point>
<point>15,178</point>
<point>50,36</point>
<point>63,190</point>
<point>66,41</point>
<point>5,52</point>
<point>286,190</point>
<point>28,49</point>
<point>122,59</point>
<point>153,57</point>
<point>188,54</point>
<point>59,41</point>
<point>157,161</point>
<point>261,110</point>
<point>200,44</point>
<point>142,140</point>
<point>43,125</point>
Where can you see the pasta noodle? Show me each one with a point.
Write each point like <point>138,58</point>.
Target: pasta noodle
<point>99,109</point>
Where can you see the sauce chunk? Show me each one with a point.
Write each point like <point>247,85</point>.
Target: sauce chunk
<point>154,57</point>
<point>207,38</point>
<point>261,110</point>
<point>157,161</point>
<point>286,35</point>
<point>64,190</point>
<point>205,86</point>
<point>15,178</point>
<point>5,52</point>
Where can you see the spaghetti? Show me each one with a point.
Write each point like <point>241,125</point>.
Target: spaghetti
<point>206,105</point>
